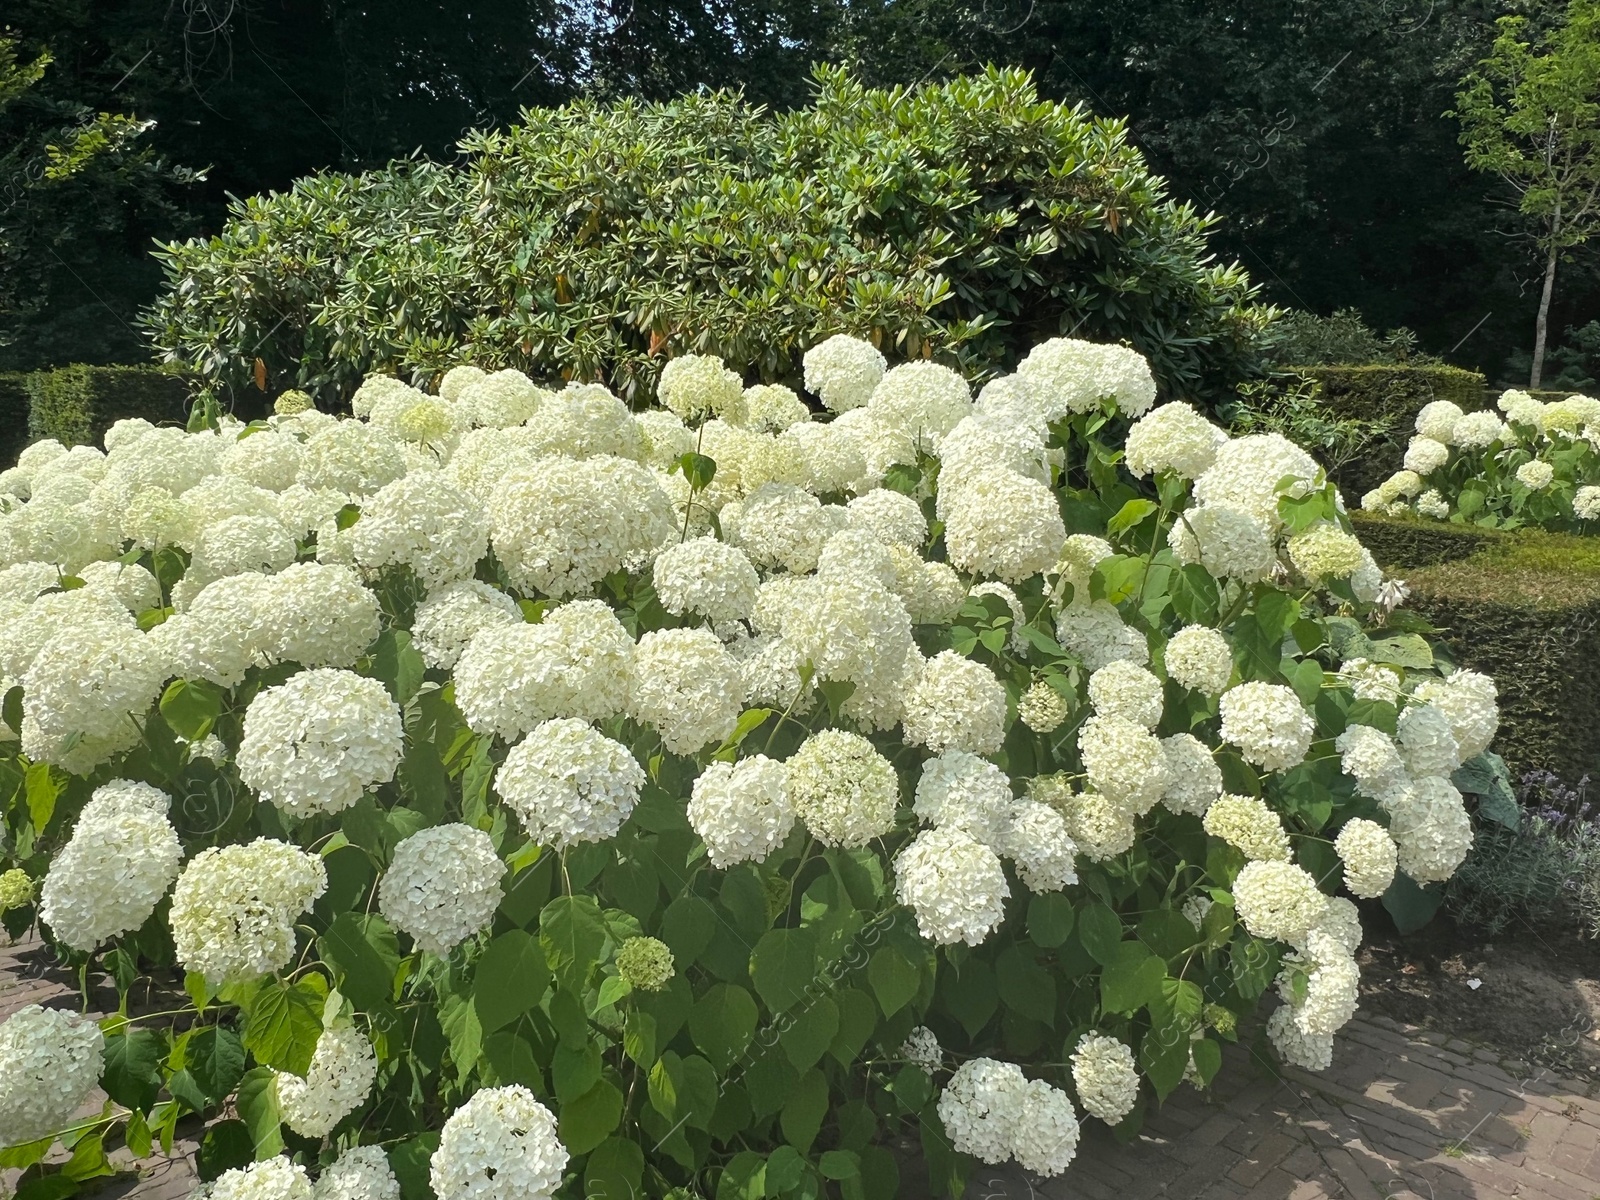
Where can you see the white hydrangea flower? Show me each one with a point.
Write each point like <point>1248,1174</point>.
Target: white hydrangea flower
<point>235,545</point>
<point>343,1068</point>
<point>234,908</point>
<point>921,1049</point>
<point>569,783</point>
<point>843,371</point>
<point>1586,503</point>
<point>1248,472</point>
<point>1432,504</point>
<point>741,810</point>
<point>1426,741</point>
<point>1535,475</point>
<point>30,624</point>
<point>1101,828</point>
<point>50,1061</point>
<point>1044,1139</point>
<point>442,886</point>
<point>1104,1074</point>
<point>666,439</point>
<point>848,627</point>
<point>706,578</point>
<point>1268,723</point>
<point>1125,762</point>
<point>1478,430</point>
<point>452,616</point>
<point>1064,376</point>
<point>424,522</point>
<point>1437,420</point>
<point>316,743</point>
<point>921,400</point>
<point>983,444</point>
<point>577,662</point>
<point>1040,847</point>
<point>1369,856</point>
<point>1308,1051</point>
<point>1043,709</point>
<point>1370,680</point>
<point>1095,632</point>
<point>457,379</point>
<point>1196,777</point>
<point>1127,690</point>
<point>1198,657</point>
<point>1003,525</point>
<point>1324,551</point>
<point>780,525</point>
<point>559,525</point>
<point>121,859</point>
<point>499,400</point>
<point>1228,542</point>
<point>772,408</point>
<point>362,1172</point>
<point>693,386</point>
<point>1369,756</point>
<point>265,458</point>
<point>1247,824</point>
<point>954,703</point>
<point>857,552</point>
<point>1470,701</point>
<point>770,669</point>
<point>500,1145</point>
<point>350,456</point>
<point>833,460</point>
<point>1425,455</point>
<point>842,788</point>
<point>938,594</point>
<point>892,518</point>
<point>319,616</point>
<point>1173,437</point>
<point>958,789</point>
<point>130,584</point>
<point>85,692</point>
<point>1277,900</point>
<point>981,1107</point>
<point>687,687</point>
<point>273,1179</point>
<point>953,884</point>
<point>1430,828</point>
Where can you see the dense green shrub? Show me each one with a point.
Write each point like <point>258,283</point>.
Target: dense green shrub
<point>1525,609</point>
<point>1393,393</point>
<point>966,219</point>
<point>13,414</point>
<point>77,404</point>
<point>1305,339</point>
<point>1406,544</point>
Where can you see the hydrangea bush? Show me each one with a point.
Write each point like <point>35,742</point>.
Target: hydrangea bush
<point>1531,463</point>
<point>515,795</point>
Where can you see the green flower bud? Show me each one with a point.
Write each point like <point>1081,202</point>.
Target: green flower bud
<point>16,889</point>
<point>291,402</point>
<point>645,963</point>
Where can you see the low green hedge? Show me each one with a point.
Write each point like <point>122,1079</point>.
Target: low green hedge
<point>77,404</point>
<point>1400,543</point>
<point>1526,610</point>
<point>13,415</point>
<point>1388,390</point>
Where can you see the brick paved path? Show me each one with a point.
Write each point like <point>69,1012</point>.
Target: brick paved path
<point>1403,1114</point>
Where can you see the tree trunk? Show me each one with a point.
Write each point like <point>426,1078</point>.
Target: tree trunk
<point>1541,326</point>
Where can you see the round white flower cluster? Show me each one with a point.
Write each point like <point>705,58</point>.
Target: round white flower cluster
<point>273,1179</point>
<point>500,1145</point>
<point>1199,657</point>
<point>442,886</point>
<point>995,1113</point>
<point>843,371</point>
<point>569,783</point>
<point>953,884</point>
<point>1268,723</point>
<point>360,1173</point>
<point>1104,1074</point>
<point>741,810</point>
<point>234,908</point>
<point>49,1063</point>
<point>343,1068</point>
<point>121,859</point>
<point>842,788</point>
<point>1248,825</point>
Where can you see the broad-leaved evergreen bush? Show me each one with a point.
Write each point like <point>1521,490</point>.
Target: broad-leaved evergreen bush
<point>967,219</point>
<point>519,796</point>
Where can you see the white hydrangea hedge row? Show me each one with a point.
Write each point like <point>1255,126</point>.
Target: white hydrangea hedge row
<point>1530,463</point>
<point>534,797</point>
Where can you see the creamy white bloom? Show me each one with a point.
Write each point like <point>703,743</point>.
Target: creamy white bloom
<point>343,1068</point>
<point>842,788</point>
<point>1200,658</point>
<point>362,1172</point>
<point>1043,709</point>
<point>1425,455</point>
<point>1228,542</point>
<point>1101,828</point>
<point>1125,762</point>
<point>741,810</point>
<point>1470,702</point>
<point>1104,1074</point>
<point>1324,551</point>
<point>1369,756</point>
<point>130,584</point>
<point>1095,632</point>
<point>1432,504</point>
<point>500,1145</point>
<point>780,525</point>
<point>921,400</point>
<point>1196,779</point>
<point>706,578</point>
<point>234,908</point>
<point>849,627</point>
<point>318,616</point>
<point>316,743</point>
<point>1535,474</point>
<point>1430,828</point>
<point>921,1049</point>
<point>500,400</point>
<point>1478,430</point>
<point>350,456</point>
<point>442,886</point>
<point>698,385</point>
<point>274,1179</point>
<point>892,518</point>
<point>85,692</point>
<point>1369,857</point>
<point>687,687</point>
<point>1437,420</point>
<point>953,884</point>
<point>983,444</point>
<point>1426,741</point>
<point>1268,723</point>
<point>1044,1139</point>
<point>843,371</point>
<point>960,790</point>
<point>955,703</point>
<point>424,522</point>
<point>50,1061</point>
<point>1249,475</point>
<point>1370,680</point>
<point>1247,824</point>
<point>1065,376</point>
<point>121,859</point>
<point>1040,847</point>
<point>1173,437</point>
<point>1003,525</point>
<point>577,662</point>
<point>1125,689</point>
<point>981,1106</point>
<point>569,783</point>
<point>1309,1052</point>
<point>452,616</point>
<point>1277,900</point>
<point>1586,503</point>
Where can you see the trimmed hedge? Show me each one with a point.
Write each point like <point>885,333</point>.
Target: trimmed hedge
<point>1395,390</point>
<point>77,404</point>
<point>1409,544</point>
<point>13,415</point>
<point>1524,608</point>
